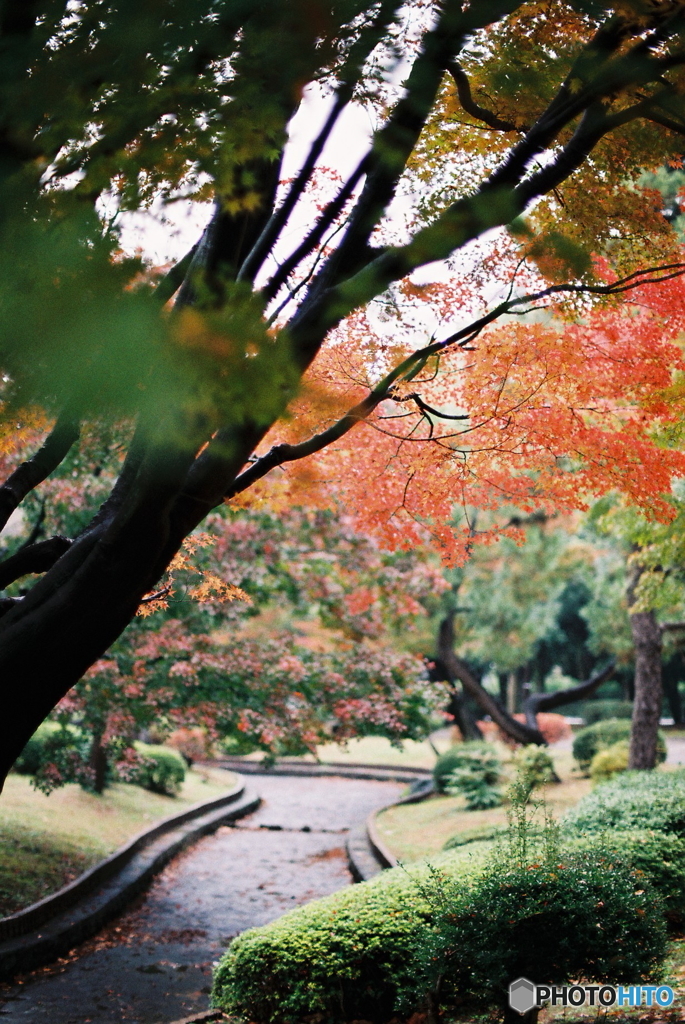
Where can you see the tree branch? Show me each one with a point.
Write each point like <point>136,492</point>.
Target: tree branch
<point>282,453</point>
<point>367,41</point>
<point>459,670</point>
<point>36,469</point>
<point>173,279</point>
<point>537,702</point>
<point>505,195</point>
<point>470,106</point>
<point>37,558</point>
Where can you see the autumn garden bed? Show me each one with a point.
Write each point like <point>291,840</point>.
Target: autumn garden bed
<point>47,841</point>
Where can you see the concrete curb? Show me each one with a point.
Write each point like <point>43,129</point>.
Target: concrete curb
<point>202,1018</point>
<point>367,854</point>
<point>286,766</point>
<point>49,929</point>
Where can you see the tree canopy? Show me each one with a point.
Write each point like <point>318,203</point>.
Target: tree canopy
<point>311,306</point>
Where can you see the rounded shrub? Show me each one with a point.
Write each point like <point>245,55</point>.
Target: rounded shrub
<point>161,770</point>
<point>534,766</point>
<point>609,762</point>
<point>48,741</point>
<point>577,917</point>
<point>658,856</point>
<point>459,931</point>
<point>632,800</point>
<point>593,738</point>
<point>463,757</point>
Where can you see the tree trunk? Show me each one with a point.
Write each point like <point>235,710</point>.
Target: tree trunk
<point>648,689</point>
<point>97,762</point>
<point>458,670</point>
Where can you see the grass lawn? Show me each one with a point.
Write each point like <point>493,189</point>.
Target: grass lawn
<point>47,841</point>
<point>420,830</point>
<point>378,750</point>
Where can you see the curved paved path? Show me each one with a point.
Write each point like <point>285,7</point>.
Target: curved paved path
<point>154,963</point>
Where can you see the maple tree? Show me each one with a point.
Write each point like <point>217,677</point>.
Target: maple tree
<point>282,338</point>
<point>314,648</point>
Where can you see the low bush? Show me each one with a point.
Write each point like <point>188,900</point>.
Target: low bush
<point>609,762</point>
<point>600,710</point>
<point>593,738</point>
<point>161,770</point>
<point>659,856</point>
<point>193,744</point>
<point>574,917</point>
<point>633,800</point>
<point>464,756</point>
<point>47,736</point>
<point>476,779</point>
<point>534,765</point>
<point>54,754</point>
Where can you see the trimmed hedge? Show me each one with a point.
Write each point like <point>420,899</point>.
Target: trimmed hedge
<point>593,738</point>
<point>346,956</point>
<point>556,919</point>
<point>163,769</point>
<point>601,710</point>
<point>610,762</point>
<point>659,856</point>
<point>633,800</point>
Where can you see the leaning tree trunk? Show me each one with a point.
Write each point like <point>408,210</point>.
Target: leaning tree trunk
<point>457,669</point>
<point>521,732</point>
<point>647,640</point>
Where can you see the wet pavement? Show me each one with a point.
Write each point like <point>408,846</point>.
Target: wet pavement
<point>154,964</point>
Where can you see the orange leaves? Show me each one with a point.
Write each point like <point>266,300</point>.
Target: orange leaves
<point>212,588</point>
<point>201,584</point>
<point>539,413</point>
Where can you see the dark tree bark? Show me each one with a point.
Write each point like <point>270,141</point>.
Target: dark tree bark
<point>457,706</point>
<point>648,642</point>
<point>536,702</point>
<point>97,762</point>
<point>648,690</point>
<point>457,669</point>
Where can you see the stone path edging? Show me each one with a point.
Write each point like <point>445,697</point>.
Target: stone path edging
<point>49,929</point>
<point>382,773</point>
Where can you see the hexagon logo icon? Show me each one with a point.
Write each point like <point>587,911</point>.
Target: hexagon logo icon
<point>522,995</point>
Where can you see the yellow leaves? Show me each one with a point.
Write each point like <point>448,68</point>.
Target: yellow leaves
<point>149,607</point>
<point>207,586</point>
<point>212,588</point>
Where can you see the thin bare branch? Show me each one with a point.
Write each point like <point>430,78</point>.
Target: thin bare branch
<point>36,469</point>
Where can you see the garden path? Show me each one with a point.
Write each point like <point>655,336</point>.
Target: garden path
<point>154,963</point>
